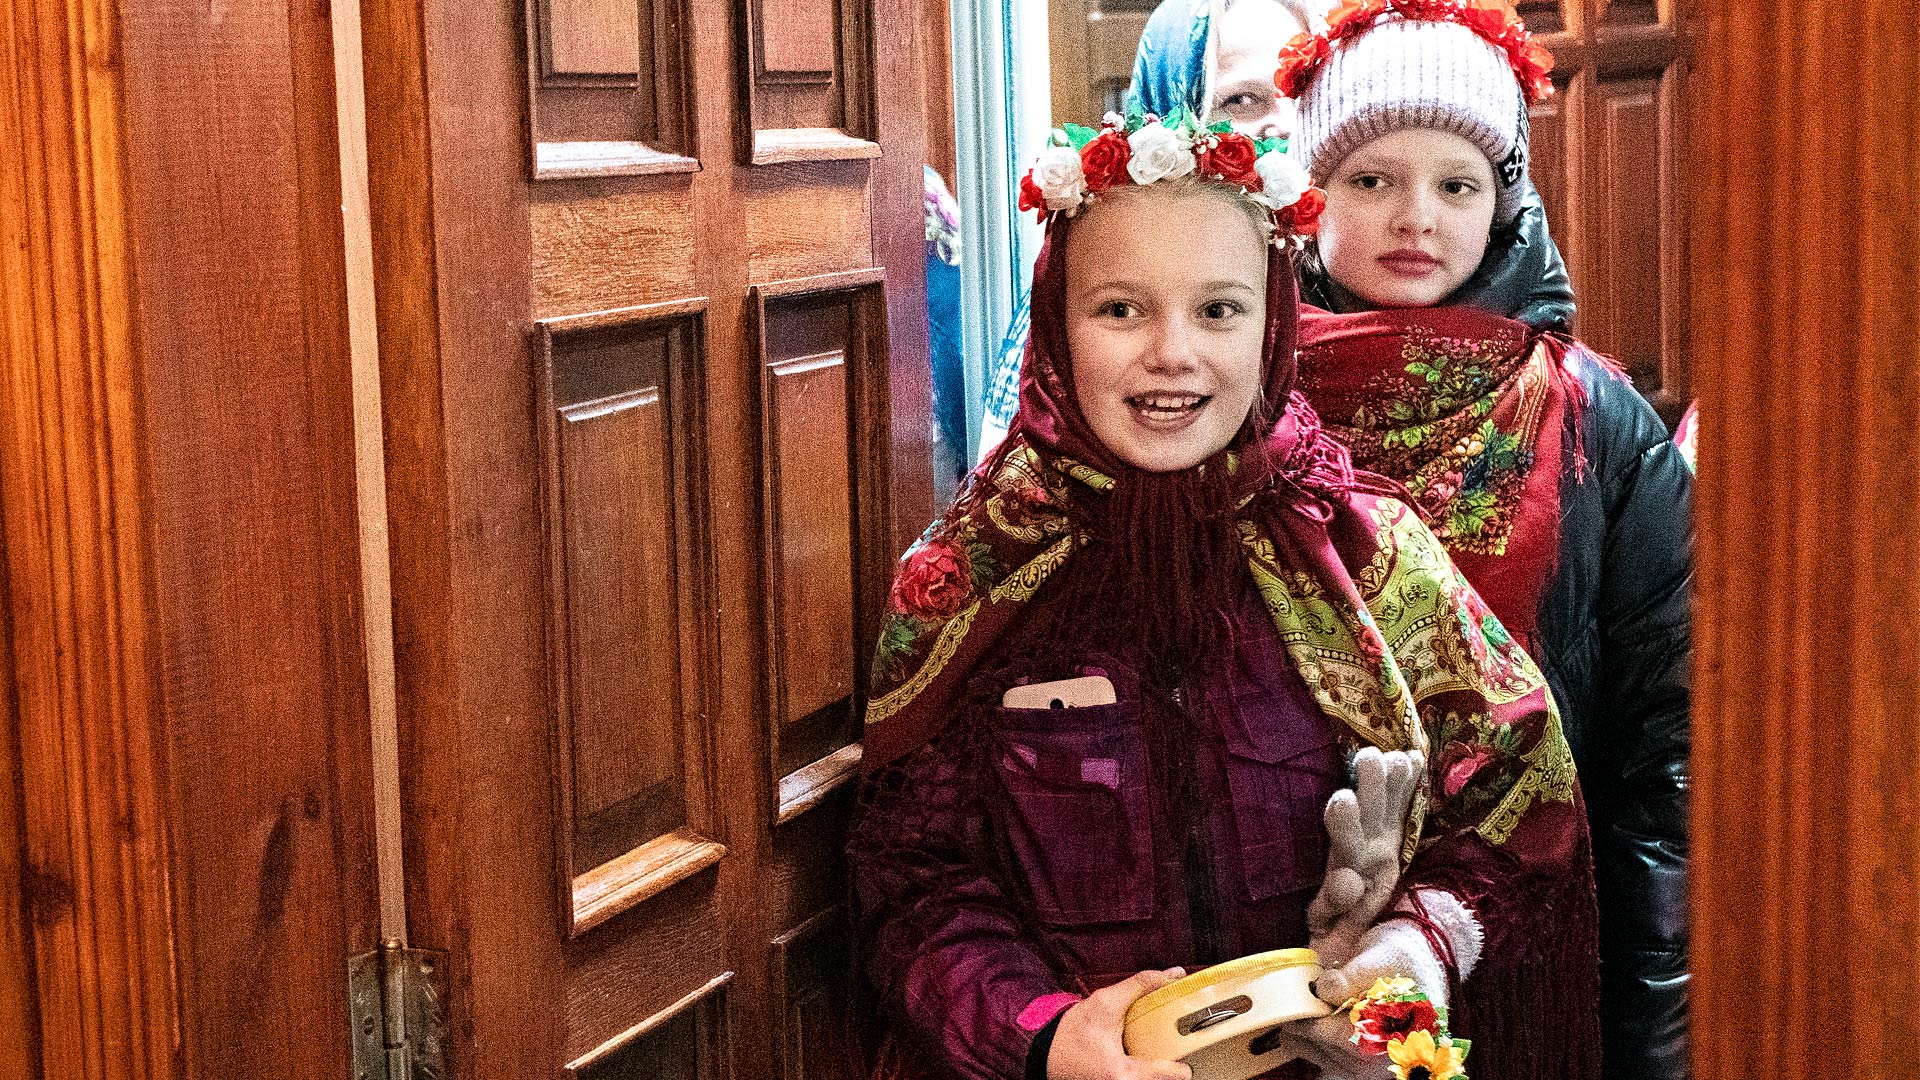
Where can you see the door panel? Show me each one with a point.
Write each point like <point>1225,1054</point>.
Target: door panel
<point>1607,149</point>
<point>658,411</point>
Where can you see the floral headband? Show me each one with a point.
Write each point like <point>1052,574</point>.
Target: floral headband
<point>1141,148</point>
<point>1490,19</point>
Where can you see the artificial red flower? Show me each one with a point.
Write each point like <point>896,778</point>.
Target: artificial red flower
<point>1030,197</point>
<point>1303,217</point>
<point>1383,1022</point>
<point>1231,158</point>
<point>935,582</point>
<point>1298,61</point>
<point>1104,160</point>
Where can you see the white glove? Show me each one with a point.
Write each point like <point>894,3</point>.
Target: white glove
<point>1365,826</point>
<point>1396,947</point>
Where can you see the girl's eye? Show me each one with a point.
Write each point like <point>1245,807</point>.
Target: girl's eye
<point>1243,104</point>
<point>1222,309</point>
<point>1368,181</point>
<point>1459,187</point>
<point>1119,309</point>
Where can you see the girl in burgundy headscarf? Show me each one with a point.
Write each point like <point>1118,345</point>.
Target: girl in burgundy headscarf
<point>1167,520</point>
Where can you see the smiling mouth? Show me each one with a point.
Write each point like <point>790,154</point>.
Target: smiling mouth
<point>1167,408</point>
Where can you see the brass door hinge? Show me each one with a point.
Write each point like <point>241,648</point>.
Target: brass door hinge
<point>398,1000</point>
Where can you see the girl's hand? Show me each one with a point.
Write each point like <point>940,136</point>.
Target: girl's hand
<point>1087,1046</point>
<point>1364,827</point>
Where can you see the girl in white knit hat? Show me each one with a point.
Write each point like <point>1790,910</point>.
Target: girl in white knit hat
<point>1437,347</point>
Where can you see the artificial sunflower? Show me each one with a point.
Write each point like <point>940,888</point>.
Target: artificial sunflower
<point>1421,1057</point>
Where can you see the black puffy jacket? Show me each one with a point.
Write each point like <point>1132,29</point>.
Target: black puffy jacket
<point>1616,631</point>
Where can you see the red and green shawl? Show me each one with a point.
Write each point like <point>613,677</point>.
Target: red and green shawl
<point>1389,637</point>
<point>1469,411</point>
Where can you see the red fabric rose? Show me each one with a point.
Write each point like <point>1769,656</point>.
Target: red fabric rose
<point>1303,217</point>
<point>1231,159</point>
<point>935,582</point>
<point>1298,61</point>
<point>1381,1022</point>
<point>1104,160</point>
<point>1030,197</point>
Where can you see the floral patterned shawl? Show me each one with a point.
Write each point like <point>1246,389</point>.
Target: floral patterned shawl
<point>1468,410</point>
<point>1388,636</point>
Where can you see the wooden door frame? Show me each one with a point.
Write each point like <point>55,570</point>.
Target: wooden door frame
<point>194,864</point>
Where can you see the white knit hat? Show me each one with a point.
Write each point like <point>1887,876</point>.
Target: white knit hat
<point>1404,73</point>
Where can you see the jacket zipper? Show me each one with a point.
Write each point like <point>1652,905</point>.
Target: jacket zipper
<point>1190,821</point>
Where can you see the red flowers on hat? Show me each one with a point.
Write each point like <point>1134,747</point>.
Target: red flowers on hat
<point>1490,19</point>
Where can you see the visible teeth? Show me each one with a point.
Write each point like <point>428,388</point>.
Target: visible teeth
<point>1182,401</point>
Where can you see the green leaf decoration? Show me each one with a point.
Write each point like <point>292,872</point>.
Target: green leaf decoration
<point>1078,137</point>
<point>1263,147</point>
<point>1221,128</point>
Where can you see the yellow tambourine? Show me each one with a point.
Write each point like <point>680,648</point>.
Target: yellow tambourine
<point>1224,1020</point>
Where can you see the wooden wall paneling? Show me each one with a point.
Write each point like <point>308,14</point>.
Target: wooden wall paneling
<point>610,94</point>
<point>19,1011</point>
<point>448,168</point>
<point>936,87</point>
<point>809,964</point>
<point>1805,286</point>
<point>185,647</point>
<point>1069,74</point>
<point>85,678</point>
<point>821,347</point>
<point>1606,150</point>
<point>1619,313</point>
<point>899,244</point>
<point>623,447</point>
<point>807,81</point>
<point>690,1040</point>
<point>1554,144</point>
<point>255,524</point>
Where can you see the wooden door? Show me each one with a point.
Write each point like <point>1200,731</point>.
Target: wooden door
<point>1608,148</point>
<point>649,280</point>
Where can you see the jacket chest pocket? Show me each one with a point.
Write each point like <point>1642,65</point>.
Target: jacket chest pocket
<point>1077,815</point>
<point>1282,764</point>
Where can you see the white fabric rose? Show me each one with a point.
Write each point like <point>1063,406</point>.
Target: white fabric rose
<point>1157,152</point>
<point>1058,175</point>
<point>1282,180</point>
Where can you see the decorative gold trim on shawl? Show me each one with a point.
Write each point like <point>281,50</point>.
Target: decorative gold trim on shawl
<point>1550,776</point>
<point>943,650</point>
<point>1020,585</point>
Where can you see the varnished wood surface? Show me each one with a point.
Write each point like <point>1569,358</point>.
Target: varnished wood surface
<point>1806,310</point>
<point>90,876</point>
<point>181,540</point>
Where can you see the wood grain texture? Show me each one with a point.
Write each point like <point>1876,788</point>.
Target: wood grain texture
<point>85,655</point>
<point>19,1012</point>
<point>249,443</point>
<point>611,244</point>
<point>811,528</point>
<point>1806,308</point>
<point>809,220</point>
<point>592,37</point>
<point>181,537</point>
<point>452,234</point>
